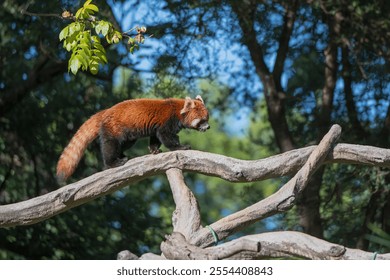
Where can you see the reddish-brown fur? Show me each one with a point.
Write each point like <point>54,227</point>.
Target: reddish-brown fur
<point>129,120</point>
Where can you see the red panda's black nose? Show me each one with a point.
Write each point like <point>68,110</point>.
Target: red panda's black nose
<point>203,127</point>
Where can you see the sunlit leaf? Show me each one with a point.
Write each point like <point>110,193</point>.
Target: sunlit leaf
<point>64,33</point>
<point>105,28</point>
<point>79,13</point>
<point>94,67</point>
<point>87,3</point>
<point>92,7</point>
<point>74,64</point>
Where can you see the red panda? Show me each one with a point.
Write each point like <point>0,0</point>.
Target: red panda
<point>120,126</point>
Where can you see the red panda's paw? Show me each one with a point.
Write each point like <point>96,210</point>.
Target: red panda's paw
<point>154,151</point>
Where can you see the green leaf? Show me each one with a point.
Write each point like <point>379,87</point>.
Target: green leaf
<point>83,58</point>
<point>117,37</point>
<point>85,14</point>
<point>69,45</point>
<point>79,13</point>
<point>87,3</point>
<point>98,28</point>
<point>94,67</point>
<point>64,33</point>
<point>105,27</point>
<point>70,41</point>
<point>74,64</point>
<point>95,39</point>
<point>85,38</point>
<point>100,55</point>
<point>132,49</point>
<point>109,38</point>
<point>93,8</point>
<point>74,27</point>
<point>85,48</point>
<point>131,41</point>
<point>99,46</point>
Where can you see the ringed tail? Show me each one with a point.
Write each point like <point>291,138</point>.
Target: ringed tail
<point>73,153</point>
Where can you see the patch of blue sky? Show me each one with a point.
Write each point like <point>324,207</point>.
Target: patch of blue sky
<point>31,53</point>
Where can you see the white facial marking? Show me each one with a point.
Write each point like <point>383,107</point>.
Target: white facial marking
<point>195,122</point>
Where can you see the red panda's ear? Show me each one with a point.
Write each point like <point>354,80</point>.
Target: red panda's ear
<point>188,104</point>
<point>198,97</point>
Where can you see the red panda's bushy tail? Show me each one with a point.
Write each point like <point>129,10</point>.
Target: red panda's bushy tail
<point>72,154</point>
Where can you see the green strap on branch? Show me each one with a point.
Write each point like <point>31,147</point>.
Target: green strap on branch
<point>213,233</point>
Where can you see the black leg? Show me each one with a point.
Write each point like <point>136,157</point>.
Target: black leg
<point>111,152</point>
<point>154,145</point>
<point>127,145</point>
<point>171,141</point>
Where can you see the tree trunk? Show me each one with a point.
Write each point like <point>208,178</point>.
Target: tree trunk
<point>271,81</point>
<point>309,204</point>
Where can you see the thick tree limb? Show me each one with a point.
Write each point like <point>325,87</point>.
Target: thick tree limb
<point>286,244</point>
<point>186,218</point>
<point>176,247</point>
<point>190,238</point>
<point>234,170</point>
<point>278,202</point>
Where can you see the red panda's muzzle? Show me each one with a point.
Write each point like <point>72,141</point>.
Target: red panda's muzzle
<point>203,126</point>
<point>200,125</point>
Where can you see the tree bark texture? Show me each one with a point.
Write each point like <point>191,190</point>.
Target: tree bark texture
<point>190,239</point>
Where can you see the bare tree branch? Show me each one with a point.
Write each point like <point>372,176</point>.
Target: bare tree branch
<point>189,238</point>
<point>280,201</point>
<point>284,40</point>
<point>297,244</point>
<point>348,93</point>
<point>285,244</point>
<point>186,218</point>
<point>231,169</point>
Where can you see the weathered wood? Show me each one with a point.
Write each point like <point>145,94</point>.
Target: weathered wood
<point>189,238</point>
<point>287,244</point>
<point>186,217</point>
<point>278,202</point>
<point>298,244</point>
<point>43,207</point>
<point>176,247</point>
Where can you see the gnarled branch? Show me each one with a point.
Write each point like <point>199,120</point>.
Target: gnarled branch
<point>286,244</point>
<point>231,169</point>
<point>189,239</point>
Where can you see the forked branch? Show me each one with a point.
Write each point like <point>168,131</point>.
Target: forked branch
<point>280,201</point>
<point>43,207</point>
<point>189,238</point>
<point>286,244</point>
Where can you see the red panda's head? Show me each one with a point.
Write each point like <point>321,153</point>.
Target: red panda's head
<point>194,114</point>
